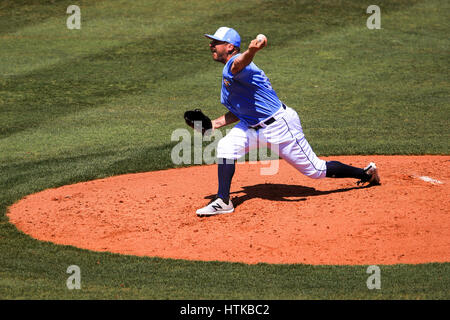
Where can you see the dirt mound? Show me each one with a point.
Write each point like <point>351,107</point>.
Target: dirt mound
<point>282,218</point>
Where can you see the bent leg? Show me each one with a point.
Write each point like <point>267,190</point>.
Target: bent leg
<point>225,171</point>
<point>229,149</point>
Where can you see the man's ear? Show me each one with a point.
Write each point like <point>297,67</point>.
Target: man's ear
<point>230,48</point>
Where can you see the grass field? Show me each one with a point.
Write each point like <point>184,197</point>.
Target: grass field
<point>77,105</point>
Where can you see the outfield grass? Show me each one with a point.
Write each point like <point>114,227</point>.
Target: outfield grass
<point>77,105</point>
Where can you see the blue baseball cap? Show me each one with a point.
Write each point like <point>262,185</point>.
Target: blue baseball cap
<point>226,34</point>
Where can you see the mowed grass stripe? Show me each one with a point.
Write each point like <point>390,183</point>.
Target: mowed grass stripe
<point>103,27</point>
<point>87,80</point>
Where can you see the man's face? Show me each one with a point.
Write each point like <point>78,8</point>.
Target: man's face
<point>219,50</point>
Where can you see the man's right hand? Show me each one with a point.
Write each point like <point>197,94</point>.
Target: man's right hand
<point>256,45</point>
<point>247,57</point>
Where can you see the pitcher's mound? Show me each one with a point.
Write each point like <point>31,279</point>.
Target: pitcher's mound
<point>282,218</point>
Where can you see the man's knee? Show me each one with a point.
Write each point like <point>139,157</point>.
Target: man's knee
<point>312,170</point>
<point>316,174</point>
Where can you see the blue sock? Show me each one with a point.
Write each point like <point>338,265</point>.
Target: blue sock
<point>336,169</point>
<point>225,170</point>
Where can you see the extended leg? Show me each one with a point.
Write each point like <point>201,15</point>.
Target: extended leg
<point>297,151</point>
<point>336,169</point>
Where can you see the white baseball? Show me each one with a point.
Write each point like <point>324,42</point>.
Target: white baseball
<point>260,37</point>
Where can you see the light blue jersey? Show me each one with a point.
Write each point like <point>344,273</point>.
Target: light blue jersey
<point>248,94</point>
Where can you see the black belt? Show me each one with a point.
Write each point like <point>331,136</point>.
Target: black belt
<point>267,122</point>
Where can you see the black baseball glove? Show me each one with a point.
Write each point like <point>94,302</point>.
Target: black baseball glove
<point>198,116</point>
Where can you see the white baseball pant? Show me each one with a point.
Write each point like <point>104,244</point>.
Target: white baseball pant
<point>284,136</point>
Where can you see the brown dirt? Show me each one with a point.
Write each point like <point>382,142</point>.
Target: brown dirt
<point>284,218</point>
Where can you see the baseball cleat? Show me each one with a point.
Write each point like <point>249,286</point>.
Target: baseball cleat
<point>217,206</point>
<point>374,178</point>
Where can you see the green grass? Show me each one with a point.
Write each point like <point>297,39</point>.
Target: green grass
<point>77,105</point>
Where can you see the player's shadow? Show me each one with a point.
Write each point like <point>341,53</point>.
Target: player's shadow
<point>280,192</point>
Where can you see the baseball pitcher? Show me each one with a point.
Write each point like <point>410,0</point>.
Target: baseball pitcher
<point>248,95</point>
